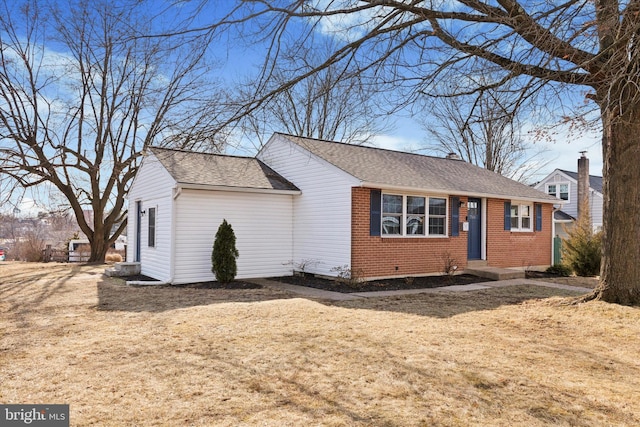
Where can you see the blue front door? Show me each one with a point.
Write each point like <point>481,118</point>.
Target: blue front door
<point>474,218</point>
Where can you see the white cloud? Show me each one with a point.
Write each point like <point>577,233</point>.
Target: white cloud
<point>28,208</point>
<point>396,142</point>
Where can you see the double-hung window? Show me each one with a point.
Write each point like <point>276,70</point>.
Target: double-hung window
<point>521,217</point>
<point>392,215</point>
<point>437,216</point>
<point>561,190</point>
<point>413,215</point>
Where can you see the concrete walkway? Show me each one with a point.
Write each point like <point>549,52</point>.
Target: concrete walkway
<point>339,296</point>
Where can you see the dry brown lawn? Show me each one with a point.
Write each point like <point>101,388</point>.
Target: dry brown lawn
<point>163,356</point>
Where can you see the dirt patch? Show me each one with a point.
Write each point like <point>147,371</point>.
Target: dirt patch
<point>583,282</point>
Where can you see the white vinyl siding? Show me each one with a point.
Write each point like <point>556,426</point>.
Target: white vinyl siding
<point>571,207</point>
<point>322,213</point>
<point>260,221</point>
<point>153,188</point>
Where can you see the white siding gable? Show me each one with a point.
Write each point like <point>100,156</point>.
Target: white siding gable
<point>322,213</point>
<point>153,188</point>
<point>571,206</point>
<point>557,178</point>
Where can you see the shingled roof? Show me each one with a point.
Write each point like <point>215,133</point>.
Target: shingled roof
<point>387,168</point>
<point>217,170</point>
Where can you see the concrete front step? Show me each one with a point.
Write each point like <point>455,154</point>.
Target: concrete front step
<point>121,269</point>
<point>476,263</point>
<point>495,273</point>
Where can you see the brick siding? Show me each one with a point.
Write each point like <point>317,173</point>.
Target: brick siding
<point>517,249</point>
<point>375,256</point>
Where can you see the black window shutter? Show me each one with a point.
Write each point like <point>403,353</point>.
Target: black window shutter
<point>538,209</point>
<point>507,216</point>
<point>375,217</point>
<point>455,216</point>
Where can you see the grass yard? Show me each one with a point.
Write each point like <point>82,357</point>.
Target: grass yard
<point>120,356</point>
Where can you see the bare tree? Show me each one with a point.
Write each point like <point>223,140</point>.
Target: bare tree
<point>485,130</point>
<point>81,96</point>
<point>546,47</point>
<point>331,104</point>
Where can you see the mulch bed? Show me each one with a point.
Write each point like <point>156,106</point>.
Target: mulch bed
<point>381,285</point>
<point>344,287</point>
<point>236,284</point>
<point>541,275</point>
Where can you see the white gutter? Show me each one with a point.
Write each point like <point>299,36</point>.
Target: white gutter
<point>187,186</point>
<point>172,247</point>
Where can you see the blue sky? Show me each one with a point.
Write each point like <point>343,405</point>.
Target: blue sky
<point>237,60</point>
<point>562,148</point>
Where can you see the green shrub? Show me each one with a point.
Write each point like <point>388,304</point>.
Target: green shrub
<point>582,250</point>
<point>560,270</point>
<point>223,257</point>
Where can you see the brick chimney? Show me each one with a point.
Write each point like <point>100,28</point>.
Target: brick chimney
<point>583,182</point>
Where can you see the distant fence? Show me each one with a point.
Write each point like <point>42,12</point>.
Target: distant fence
<point>50,254</point>
<point>81,254</point>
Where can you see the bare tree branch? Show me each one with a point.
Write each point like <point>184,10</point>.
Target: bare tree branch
<point>79,117</point>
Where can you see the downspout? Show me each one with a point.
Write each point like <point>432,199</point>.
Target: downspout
<point>553,236</point>
<point>172,259</point>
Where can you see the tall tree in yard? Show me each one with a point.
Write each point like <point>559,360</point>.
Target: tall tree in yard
<point>327,105</point>
<point>559,50</point>
<point>486,130</point>
<point>82,94</point>
<point>223,257</point>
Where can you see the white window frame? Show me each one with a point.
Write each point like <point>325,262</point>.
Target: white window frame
<point>557,192</point>
<point>405,216</point>
<point>520,208</point>
<point>152,228</point>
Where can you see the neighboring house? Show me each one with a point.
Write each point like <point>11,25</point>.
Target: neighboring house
<point>564,185</point>
<point>327,207</point>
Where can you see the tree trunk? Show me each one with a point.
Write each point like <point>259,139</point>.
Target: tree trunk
<point>99,245</point>
<point>620,272</point>
<point>98,251</point>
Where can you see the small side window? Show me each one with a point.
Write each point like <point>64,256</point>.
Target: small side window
<point>152,227</point>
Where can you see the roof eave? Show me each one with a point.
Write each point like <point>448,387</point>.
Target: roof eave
<point>191,186</point>
<point>461,193</point>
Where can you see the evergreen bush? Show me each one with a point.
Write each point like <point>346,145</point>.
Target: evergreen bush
<point>582,250</point>
<point>223,257</point>
<point>560,270</point>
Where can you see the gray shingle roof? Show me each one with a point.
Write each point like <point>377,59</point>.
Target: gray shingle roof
<point>406,170</point>
<point>219,170</point>
<point>595,182</point>
<point>559,215</point>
